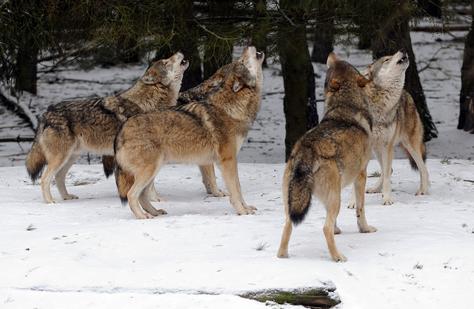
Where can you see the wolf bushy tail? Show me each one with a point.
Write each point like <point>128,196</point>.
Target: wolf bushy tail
<point>300,184</point>
<point>35,161</point>
<point>124,182</point>
<point>108,163</point>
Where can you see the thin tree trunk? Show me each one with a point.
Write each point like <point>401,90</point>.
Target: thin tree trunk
<point>466,99</point>
<point>393,36</point>
<point>298,78</point>
<point>324,32</point>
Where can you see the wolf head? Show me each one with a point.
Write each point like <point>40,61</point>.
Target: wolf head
<point>389,71</point>
<point>342,76</point>
<point>168,72</point>
<point>252,60</point>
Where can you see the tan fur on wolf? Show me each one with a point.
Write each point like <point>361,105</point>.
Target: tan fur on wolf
<point>70,128</point>
<point>331,156</point>
<point>396,121</point>
<point>197,132</point>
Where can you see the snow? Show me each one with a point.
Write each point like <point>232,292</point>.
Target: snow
<point>92,252</point>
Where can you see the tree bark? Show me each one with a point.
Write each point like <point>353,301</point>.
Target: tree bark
<point>324,32</point>
<point>393,36</point>
<point>299,102</point>
<point>466,99</point>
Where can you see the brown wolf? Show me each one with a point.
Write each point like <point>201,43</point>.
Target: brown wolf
<point>331,156</point>
<point>68,128</point>
<point>201,133</point>
<point>396,121</point>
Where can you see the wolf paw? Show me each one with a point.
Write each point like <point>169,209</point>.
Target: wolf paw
<point>339,258</point>
<point>144,215</point>
<point>367,229</point>
<point>388,200</point>
<point>352,205</point>
<point>282,254</point>
<point>70,197</point>
<point>246,210</point>
<point>421,192</point>
<point>218,193</point>
<point>158,212</point>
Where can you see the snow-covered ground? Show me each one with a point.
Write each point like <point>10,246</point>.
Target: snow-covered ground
<point>92,253</point>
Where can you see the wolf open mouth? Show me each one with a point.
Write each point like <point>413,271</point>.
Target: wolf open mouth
<point>403,59</point>
<point>184,62</point>
<point>259,55</point>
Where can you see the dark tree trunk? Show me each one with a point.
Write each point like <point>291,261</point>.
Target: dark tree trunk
<point>261,28</point>
<point>324,32</point>
<point>298,78</point>
<point>364,31</point>
<point>393,36</point>
<point>466,99</point>
<point>26,68</point>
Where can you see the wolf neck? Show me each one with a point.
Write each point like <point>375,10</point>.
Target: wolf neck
<point>151,97</point>
<point>386,98</point>
<point>242,106</point>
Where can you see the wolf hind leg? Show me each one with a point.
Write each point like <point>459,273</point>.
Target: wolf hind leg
<point>61,178</point>
<point>332,202</point>
<point>147,206</point>
<point>153,194</point>
<point>142,178</point>
<point>416,152</point>
<point>54,165</point>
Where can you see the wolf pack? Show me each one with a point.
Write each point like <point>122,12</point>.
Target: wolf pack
<point>152,124</point>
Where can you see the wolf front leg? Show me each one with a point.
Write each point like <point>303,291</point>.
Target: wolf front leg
<point>231,179</point>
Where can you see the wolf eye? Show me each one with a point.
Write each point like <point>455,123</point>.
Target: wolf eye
<point>386,60</point>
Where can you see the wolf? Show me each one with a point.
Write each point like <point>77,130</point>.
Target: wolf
<point>68,129</point>
<point>203,92</point>
<point>396,121</point>
<point>198,132</point>
<point>331,156</point>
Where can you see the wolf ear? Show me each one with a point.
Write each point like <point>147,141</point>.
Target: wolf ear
<point>362,81</point>
<point>332,58</point>
<point>155,74</point>
<point>334,85</point>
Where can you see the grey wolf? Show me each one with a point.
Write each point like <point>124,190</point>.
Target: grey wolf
<point>331,156</point>
<point>67,129</point>
<point>396,121</point>
<point>198,132</point>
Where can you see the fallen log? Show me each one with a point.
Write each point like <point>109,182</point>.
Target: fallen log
<point>16,106</point>
<point>314,298</point>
